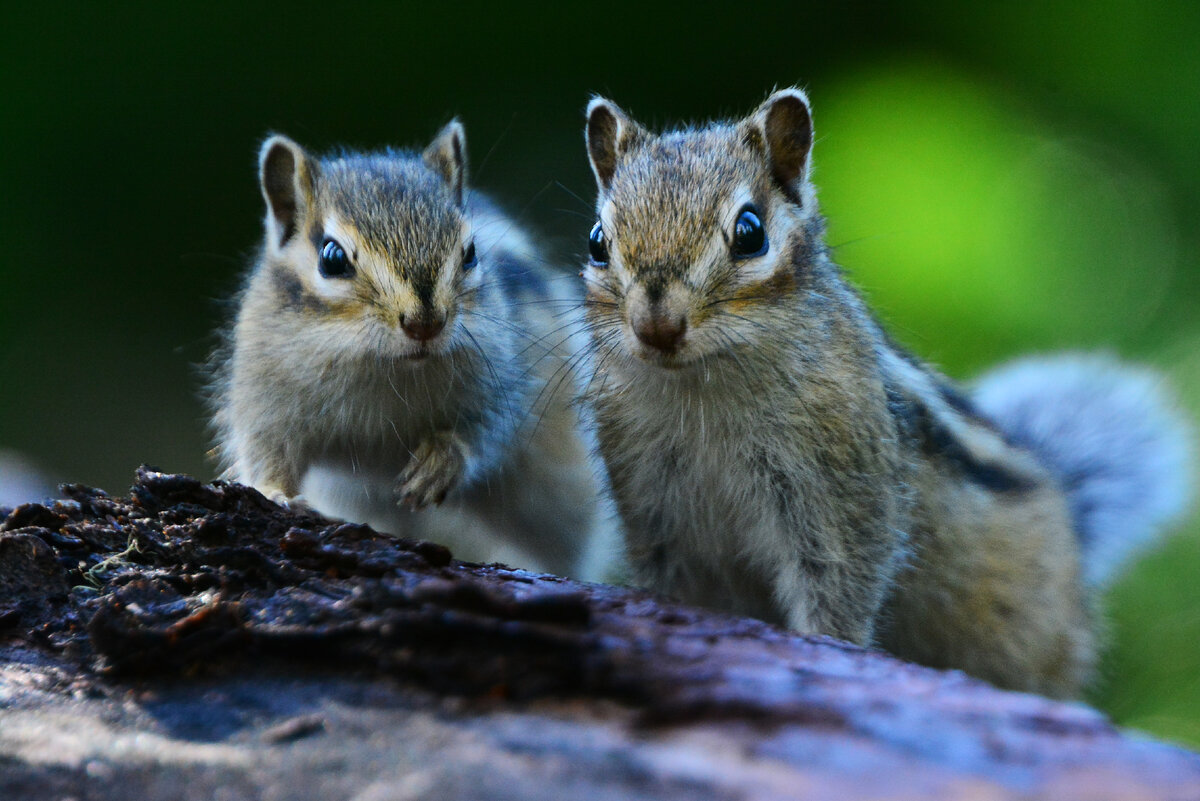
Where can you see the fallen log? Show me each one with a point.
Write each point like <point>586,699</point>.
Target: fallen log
<point>196,640</point>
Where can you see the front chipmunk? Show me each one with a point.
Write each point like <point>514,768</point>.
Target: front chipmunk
<point>773,453</point>
<point>391,357</point>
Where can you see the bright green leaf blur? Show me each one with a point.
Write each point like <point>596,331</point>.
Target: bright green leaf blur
<point>976,229</point>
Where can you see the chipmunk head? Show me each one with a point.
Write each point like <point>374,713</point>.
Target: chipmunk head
<point>701,231</point>
<point>375,250</point>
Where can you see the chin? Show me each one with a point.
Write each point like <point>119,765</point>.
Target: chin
<point>677,360</point>
<point>420,352</point>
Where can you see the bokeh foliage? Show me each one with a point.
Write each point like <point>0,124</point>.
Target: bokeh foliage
<point>1000,179</point>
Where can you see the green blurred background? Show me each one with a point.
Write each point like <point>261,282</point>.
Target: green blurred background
<point>1000,179</point>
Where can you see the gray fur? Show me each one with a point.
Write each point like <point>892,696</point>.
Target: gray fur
<point>1111,434</point>
<point>322,396</point>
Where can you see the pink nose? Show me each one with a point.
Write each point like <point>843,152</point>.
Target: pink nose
<point>422,329</point>
<point>660,332</point>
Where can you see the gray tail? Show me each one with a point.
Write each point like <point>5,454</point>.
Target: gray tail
<point>1113,436</point>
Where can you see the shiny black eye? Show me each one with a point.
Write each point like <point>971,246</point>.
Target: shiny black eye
<point>334,261</point>
<point>469,261</point>
<point>598,246</point>
<point>749,236</point>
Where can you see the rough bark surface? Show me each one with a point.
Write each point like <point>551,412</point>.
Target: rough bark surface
<point>197,641</point>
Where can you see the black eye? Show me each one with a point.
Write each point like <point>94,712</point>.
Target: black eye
<point>749,236</point>
<point>598,246</point>
<point>469,261</point>
<point>334,261</point>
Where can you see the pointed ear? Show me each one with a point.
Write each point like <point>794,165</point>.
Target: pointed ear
<point>610,134</point>
<point>287,177</point>
<point>784,122</point>
<point>447,156</point>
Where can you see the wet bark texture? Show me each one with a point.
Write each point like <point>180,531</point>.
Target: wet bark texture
<point>195,641</point>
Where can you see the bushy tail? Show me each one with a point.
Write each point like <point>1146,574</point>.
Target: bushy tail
<point>1112,435</point>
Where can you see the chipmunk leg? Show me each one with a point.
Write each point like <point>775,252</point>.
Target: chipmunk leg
<point>435,468</point>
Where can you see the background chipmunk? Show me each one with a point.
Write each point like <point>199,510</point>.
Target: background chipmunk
<point>773,453</point>
<point>390,359</point>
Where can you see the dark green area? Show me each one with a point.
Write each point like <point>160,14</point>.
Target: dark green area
<point>999,179</point>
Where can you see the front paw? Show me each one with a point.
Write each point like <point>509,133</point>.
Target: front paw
<point>435,468</point>
<point>293,503</point>
<point>299,504</point>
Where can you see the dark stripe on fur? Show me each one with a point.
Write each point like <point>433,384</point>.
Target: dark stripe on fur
<point>291,291</point>
<point>938,442</point>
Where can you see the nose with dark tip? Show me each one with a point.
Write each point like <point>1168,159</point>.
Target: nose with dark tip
<point>660,332</point>
<point>422,328</point>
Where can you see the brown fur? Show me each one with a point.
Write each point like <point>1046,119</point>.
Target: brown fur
<point>786,460</point>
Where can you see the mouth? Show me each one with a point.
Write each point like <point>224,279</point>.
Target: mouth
<point>668,360</point>
<point>418,352</point>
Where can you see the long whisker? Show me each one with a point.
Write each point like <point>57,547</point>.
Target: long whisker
<point>565,370</point>
<point>487,156</point>
<point>566,189</point>
<point>496,382</point>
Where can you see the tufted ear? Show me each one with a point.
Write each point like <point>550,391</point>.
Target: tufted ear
<point>610,134</point>
<point>287,177</point>
<point>447,156</point>
<point>784,121</point>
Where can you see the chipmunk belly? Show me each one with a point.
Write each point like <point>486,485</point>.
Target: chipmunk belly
<point>784,503</point>
<point>372,420</point>
<point>351,472</point>
<point>701,524</point>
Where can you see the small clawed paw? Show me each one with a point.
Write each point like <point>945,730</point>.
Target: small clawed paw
<point>299,504</point>
<point>293,503</point>
<point>434,469</point>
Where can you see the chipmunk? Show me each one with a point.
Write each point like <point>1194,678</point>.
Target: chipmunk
<point>774,453</point>
<point>395,360</point>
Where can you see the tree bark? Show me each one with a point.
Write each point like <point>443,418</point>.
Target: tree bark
<point>198,641</point>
